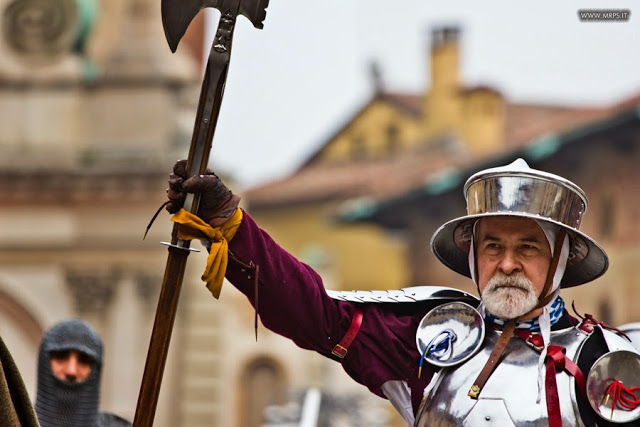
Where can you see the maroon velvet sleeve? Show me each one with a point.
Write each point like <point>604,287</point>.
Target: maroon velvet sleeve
<point>292,302</point>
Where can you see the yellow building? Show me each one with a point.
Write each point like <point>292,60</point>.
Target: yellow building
<point>601,157</point>
<point>394,143</point>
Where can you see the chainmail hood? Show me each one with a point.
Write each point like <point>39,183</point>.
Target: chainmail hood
<point>60,403</point>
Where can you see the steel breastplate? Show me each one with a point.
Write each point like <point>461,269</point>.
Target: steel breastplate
<point>509,398</point>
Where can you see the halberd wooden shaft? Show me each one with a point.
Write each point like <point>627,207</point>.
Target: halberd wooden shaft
<point>206,119</point>
<point>176,16</point>
<point>161,336</point>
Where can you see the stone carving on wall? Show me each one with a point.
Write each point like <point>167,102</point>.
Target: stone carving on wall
<point>92,289</point>
<point>39,31</point>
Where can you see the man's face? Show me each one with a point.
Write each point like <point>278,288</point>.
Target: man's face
<point>70,365</point>
<point>513,258</point>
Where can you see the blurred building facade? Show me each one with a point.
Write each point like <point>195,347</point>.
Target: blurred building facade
<point>379,187</point>
<point>362,209</point>
<point>90,102</point>
<point>94,110</point>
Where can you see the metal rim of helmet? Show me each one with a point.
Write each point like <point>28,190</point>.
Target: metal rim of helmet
<point>517,190</point>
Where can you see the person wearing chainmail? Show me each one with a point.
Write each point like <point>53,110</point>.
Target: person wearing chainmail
<point>442,357</point>
<point>69,372</point>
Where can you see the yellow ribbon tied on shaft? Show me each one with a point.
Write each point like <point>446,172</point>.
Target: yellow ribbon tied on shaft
<point>192,227</point>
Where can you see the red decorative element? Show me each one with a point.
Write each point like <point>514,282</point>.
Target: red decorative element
<point>551,391</point>
<point>555,361</point>
<point>341,349</point>
<point>588,322</point>
<point>624,396</point>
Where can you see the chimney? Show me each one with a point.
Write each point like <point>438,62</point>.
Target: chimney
<point>443,35</point>
<point>442,104</point>
<point>444,58</point>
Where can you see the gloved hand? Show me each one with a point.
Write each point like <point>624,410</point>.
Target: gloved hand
<point>217,202</point>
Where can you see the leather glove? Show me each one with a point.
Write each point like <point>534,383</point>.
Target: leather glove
<point>217,202</point>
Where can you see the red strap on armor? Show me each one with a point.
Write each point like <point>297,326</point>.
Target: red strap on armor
<point>556,359</point>
<point>534,341</point>
<point>551,391</point>
<point>574,370</point>
<point>341,348</point>
<point>563,363</point>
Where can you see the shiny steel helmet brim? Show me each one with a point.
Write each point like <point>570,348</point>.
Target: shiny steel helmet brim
<point>517,190</point>
<point>587,260</point>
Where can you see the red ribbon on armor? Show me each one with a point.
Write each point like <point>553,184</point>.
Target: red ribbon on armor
<point>555,361</point>
<point>588,322</point>
<point>551,392</point>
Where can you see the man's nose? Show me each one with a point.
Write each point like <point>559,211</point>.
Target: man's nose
<point>71,367</point>
<point>509,263</point>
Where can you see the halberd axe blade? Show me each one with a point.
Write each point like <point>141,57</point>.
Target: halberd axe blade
<point>178,14</point>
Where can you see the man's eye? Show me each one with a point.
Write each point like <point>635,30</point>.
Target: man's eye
<point>84,358</point>
<point>59,355</point>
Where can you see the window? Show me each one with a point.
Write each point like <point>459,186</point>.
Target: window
<point>607,217</point>
<point>358,148</point>
<point>393,144</point>
<point>262,384</point>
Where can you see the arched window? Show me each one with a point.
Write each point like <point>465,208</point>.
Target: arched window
<point>263,384</point>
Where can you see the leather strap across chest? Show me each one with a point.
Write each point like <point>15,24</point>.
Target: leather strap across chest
<point>494,358</point>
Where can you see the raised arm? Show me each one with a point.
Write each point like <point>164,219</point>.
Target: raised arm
<point>291,300</point>
<point>290,297</point>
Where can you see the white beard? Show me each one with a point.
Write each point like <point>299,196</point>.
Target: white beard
<point>509,296</point>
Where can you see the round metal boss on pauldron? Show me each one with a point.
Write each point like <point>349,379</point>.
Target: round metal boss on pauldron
<point>450,334</point>
<point>622,366</point>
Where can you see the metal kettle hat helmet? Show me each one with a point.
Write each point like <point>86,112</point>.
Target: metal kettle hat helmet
<point>518,190</point>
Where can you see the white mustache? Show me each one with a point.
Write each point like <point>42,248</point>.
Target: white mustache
<point>501,280</point>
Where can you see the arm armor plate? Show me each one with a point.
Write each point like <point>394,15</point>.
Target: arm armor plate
<point>412,294</point>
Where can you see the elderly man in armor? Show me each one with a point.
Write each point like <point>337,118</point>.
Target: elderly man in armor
<point>69,370</point>
<point>441,356</point>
